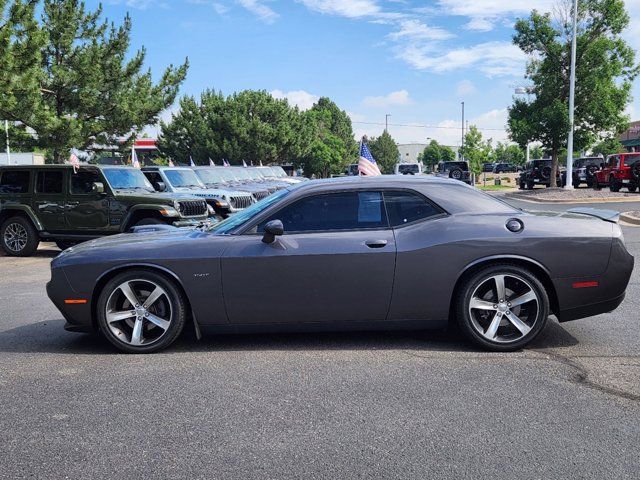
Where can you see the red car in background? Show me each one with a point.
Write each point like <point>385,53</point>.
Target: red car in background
<point>621,170</point>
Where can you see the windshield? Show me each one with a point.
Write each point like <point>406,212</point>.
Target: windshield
<point>226,174</point>
<point>241,173</point>
<point>127,179</point>
<point>183,178</point>
<point>279,172</point>
<point>254,174</point>
<point>210,176</point>
<point>247,214</point>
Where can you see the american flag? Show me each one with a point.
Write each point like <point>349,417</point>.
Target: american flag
<point>171,163</point>
<point>225,163</point>
<point>211,162</point>
<point>367,164</point>
<point>75,162</point>
<point>244,164</point>
<point>191,164</point>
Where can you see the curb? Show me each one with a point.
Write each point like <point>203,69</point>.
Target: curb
<point>629,219</point>
<point>524,198</point>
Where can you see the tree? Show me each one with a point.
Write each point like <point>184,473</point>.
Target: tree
<point>509,154</point>
<point>435,153</point>
<point>536,152</point>
<point>88,91</point>
<point>608,146</point>
<point>385,150</point>
<point>476,150</point>
<point>605,69</point>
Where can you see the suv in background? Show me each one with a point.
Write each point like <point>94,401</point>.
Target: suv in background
<point>54,203</point>
<point>584,170</point>
<point>184,180</point>
<point>455,170</point>
<point>488,167</point>
<point>620,170</point>
<point>408,169</point>
<point>538,172</point>
<point>504,168</point>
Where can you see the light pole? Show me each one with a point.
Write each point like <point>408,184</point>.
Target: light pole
<point>572,94</point>
<point>6,131</point>
<point>462,143</point>
<point>386,122</point>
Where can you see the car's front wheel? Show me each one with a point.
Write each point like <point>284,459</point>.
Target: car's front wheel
<point>141,311</point>
<point>502,307</point>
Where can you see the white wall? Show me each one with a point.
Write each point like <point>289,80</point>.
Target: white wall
<point>22,159</point>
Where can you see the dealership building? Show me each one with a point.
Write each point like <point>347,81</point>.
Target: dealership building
<point>631,138</point>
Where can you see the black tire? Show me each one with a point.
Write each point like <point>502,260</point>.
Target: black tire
<point>535,320</point>
<point>596,183</point>
<point>632,189</point>
<point>173,302</point>
<point>456,174</point>
<point>64,244</point>
<point>530,185</point>
<point>613,185</point>
<point>19,237</point>
<point>149,221</point>
<point>576,184</point>
<point>521,185</point>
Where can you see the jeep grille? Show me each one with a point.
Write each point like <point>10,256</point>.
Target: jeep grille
<point>193,209</point>
<point>261,194</point>
<point>238,203</point>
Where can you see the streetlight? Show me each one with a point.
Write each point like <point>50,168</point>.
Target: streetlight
<point>572,93</point>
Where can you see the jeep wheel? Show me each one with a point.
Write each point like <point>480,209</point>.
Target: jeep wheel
<point>521,185</point>
<point>613,185</point>
<point>596,183</point>
<point>576,184</point>
<point>149,221</point>
<point>19,237</point>
<point>632,188</point>
<point>530,185</point>
<point>635,171</point>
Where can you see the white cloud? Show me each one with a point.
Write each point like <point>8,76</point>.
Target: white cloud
<point>344,8</point>
<point>259,9</point>
<point>465,87</point>
<point>416,30</point>
<point>300,98</point>
<point>218,7</point>
<point>492,58</point>
<point>484,13</point>
<point>393,99</point>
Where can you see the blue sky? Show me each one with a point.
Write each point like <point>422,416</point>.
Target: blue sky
<point>415,60</point>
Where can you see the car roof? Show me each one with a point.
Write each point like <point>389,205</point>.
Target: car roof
<point>62,166</point>
<point>379,181</point>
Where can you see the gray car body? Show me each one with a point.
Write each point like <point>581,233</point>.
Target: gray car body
<point>333,280</point>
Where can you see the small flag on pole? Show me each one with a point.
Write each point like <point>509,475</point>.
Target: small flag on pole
<point>191,164</point>
<point>171,163</point>
<point>134,158</point>
<point>211,162</point>
<point>75,162</point>
<point>367,164</point>
<point>261,163</point>
<point>244,164</point>
<point>225,163</point>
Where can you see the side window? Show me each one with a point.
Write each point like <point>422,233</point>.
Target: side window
<point>82,182</point>
<point>613,162</point>
<point>336,211</point>
<point>15,181</point>
<point>49,182</point>
<point>406,207</point>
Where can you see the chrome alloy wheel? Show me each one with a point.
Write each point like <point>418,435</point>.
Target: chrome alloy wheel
<point>138,312</point>
<point>504,308</point>
<point>15,237</point>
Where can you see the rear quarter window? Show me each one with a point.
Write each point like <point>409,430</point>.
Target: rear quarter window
<point>463,199</point>
<point>15,181</point>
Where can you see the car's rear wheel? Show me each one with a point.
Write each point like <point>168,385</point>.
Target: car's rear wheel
<point>596,183</point>
<point>614,186</point>
<point>19,237</point>
<point>141,311</point>
<point>530,185</point>
<point>502,307</point>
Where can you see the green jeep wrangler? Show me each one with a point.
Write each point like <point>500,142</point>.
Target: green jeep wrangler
<point>52,203</point>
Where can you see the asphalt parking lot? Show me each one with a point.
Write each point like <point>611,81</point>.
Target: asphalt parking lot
<point>356,405</point>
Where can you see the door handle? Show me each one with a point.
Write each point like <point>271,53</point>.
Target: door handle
<point>376,243</point>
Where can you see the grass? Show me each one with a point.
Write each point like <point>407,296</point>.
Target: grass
<point>492,188</point>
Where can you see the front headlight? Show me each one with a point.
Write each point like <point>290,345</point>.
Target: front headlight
<point>169,212</point>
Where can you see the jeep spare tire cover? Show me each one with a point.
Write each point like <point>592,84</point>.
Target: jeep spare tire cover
<point>546,172</point>
<point>456,173</point>
<point>591,170</point>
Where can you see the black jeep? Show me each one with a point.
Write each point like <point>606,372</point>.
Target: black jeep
<point>455,170</point>
<point>54,203</point>
<point>538,172</point>
<point>583,171</point>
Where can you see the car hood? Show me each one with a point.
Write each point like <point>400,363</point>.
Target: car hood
<point>166,198</point>
<point>214,192</point>
<point>138,246</point>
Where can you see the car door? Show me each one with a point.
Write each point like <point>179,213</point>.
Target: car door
<point>86,209</point>
<point>48,198</point>
<point>335,263</point>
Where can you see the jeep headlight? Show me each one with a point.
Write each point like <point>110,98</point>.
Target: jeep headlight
<point>169,212</point>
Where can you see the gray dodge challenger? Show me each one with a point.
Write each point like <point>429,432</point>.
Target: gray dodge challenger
<point>356,253</point>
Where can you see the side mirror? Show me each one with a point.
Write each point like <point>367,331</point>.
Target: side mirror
<point>160,186</point>
<point>272,229</point>
<point>97,187</point>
